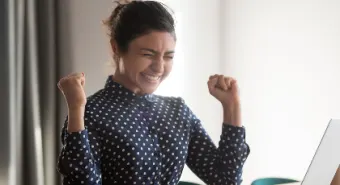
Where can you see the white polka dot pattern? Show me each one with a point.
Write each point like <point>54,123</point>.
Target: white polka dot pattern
<point>130,139</point>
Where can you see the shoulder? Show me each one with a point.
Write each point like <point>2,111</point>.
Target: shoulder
<point>96,97</point>
<point>95,103</point>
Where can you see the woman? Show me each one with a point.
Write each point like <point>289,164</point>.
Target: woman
<point>124,134</point>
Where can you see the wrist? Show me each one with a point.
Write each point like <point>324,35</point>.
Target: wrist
<point>76,120</point>
<point>78,111</point>
<point>75,107</point>
<point>232,115</point>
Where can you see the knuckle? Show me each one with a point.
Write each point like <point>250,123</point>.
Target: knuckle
<point>62,82</point>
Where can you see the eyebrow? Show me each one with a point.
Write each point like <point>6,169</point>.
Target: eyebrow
<point>156,52</point>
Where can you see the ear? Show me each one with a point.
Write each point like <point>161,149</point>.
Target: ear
<point>114,47</point>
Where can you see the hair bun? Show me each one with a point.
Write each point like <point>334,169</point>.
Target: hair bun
<point>123,2</point>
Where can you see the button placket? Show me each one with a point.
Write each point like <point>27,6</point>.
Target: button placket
<point>146,106</point>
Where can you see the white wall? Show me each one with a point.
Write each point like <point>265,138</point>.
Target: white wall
<point>286,57</point>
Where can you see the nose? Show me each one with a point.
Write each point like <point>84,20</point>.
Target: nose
<point>158,65</point>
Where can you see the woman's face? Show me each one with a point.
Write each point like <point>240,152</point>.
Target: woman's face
<point>147,62</point>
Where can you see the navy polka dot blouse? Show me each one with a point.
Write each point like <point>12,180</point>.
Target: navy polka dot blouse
<point>130,139</point>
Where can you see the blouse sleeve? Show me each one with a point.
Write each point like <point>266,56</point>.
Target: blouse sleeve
<point>79,159</point>
<point>217,165</point>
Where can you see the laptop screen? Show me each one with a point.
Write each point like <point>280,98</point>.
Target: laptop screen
<point>327,157</point>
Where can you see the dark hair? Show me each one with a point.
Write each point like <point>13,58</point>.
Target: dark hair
<point>137,18</point>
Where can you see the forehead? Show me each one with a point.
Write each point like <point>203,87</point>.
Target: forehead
<point>159,41</point>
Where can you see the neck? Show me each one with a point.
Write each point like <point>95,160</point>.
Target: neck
<point>125,82</point>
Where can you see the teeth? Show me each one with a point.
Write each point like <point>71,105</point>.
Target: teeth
<point>150,77</point>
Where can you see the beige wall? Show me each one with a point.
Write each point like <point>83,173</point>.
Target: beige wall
<point>84,40</point>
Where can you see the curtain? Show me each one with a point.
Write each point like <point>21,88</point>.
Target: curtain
<point>29,107</point>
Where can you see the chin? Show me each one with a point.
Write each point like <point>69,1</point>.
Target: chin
<point>148,85</point>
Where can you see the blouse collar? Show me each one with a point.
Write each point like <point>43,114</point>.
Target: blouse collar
<point>115,89</point>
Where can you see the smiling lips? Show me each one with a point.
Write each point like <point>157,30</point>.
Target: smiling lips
<point>151,78</point>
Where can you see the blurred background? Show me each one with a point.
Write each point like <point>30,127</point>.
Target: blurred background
<point>285,55</point>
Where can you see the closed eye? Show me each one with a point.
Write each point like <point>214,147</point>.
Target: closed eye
<point>169,57</point>
<point>147,54</point>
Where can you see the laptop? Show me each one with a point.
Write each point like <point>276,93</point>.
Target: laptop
<point>325,166</point>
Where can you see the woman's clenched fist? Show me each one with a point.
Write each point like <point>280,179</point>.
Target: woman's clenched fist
<point>72,86</point>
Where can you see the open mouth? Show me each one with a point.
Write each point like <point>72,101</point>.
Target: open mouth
<point>151,78</point>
